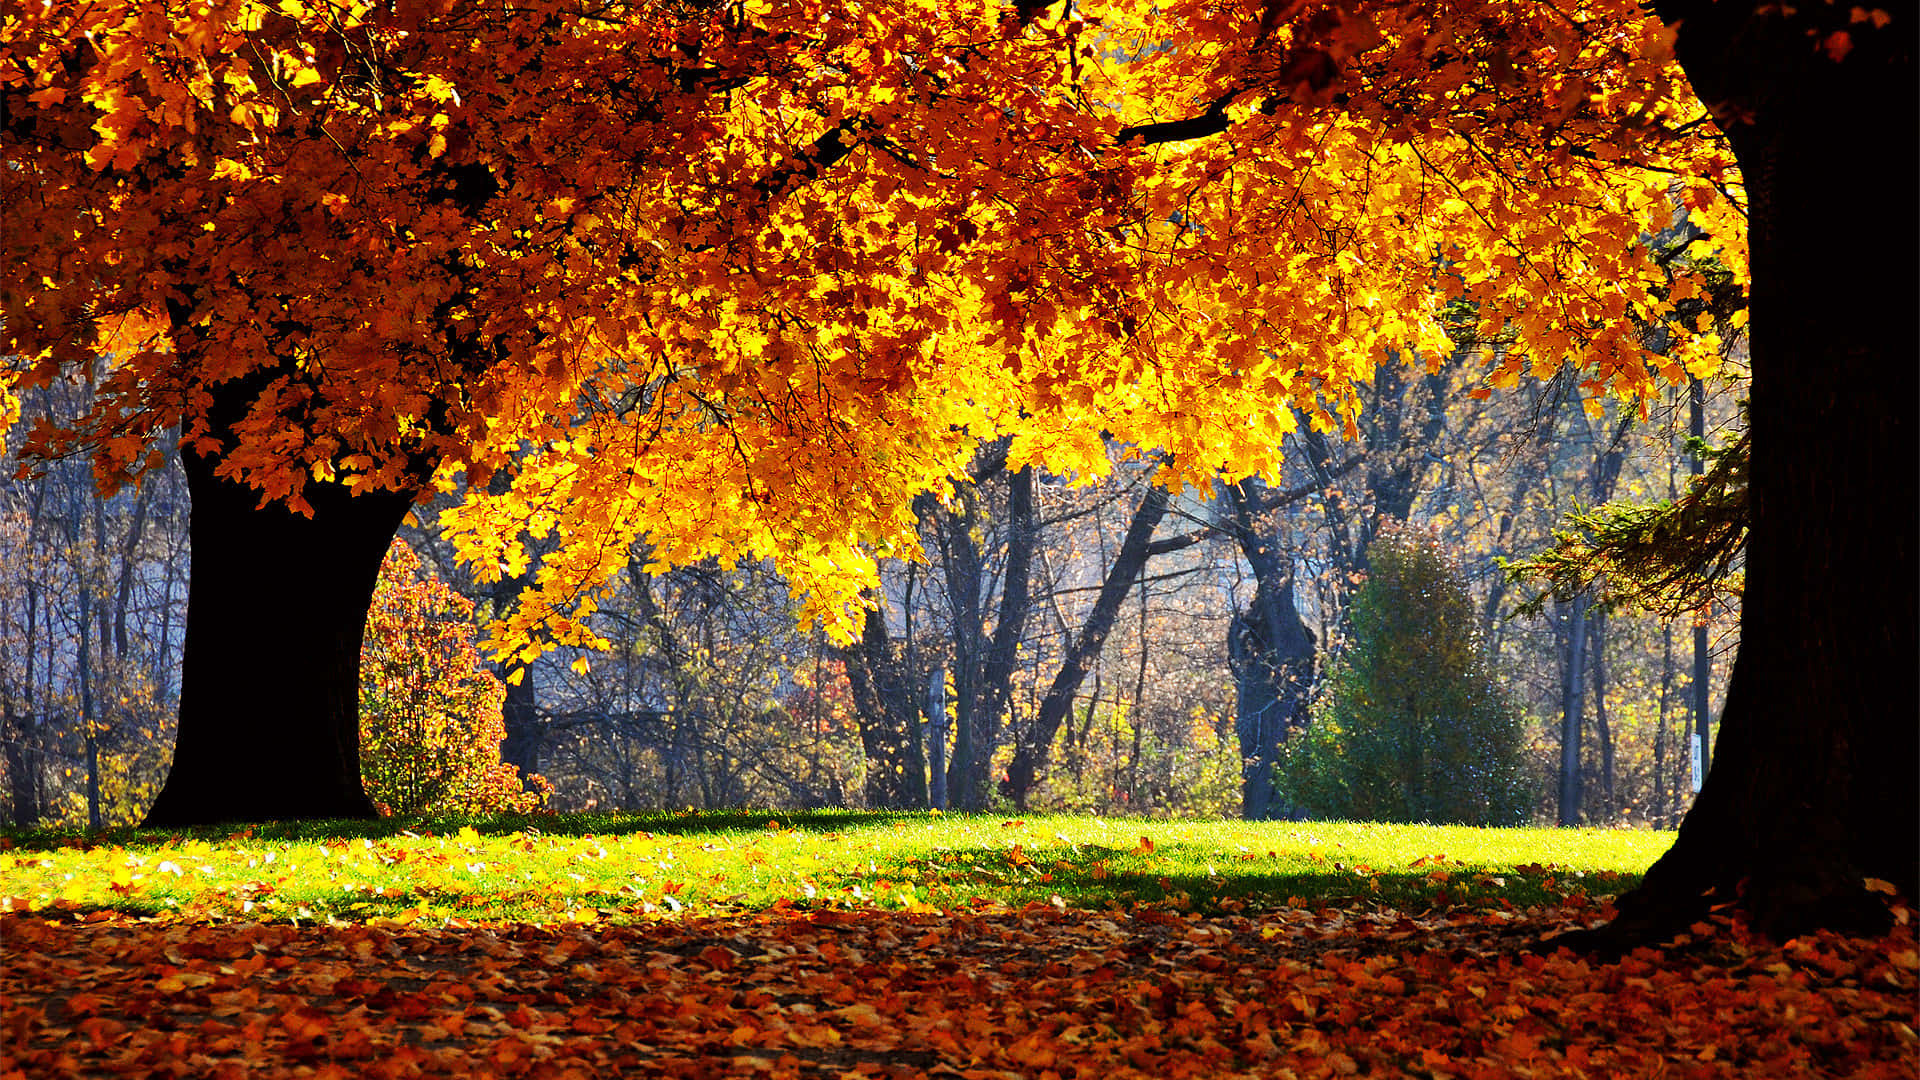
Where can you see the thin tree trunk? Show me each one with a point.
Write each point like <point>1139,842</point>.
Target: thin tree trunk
<point>1572,697</point>
<point>937,738</point>
<point>1702,655</point>
<point>1602,730</point>
<point>123,590</point>
<point>88,721</point>
<point>1031,756</point>
<point>1661,811</point>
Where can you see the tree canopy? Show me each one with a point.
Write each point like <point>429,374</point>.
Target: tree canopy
<point>741,280</point>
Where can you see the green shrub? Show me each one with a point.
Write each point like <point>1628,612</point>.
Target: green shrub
<point>1411,725</point>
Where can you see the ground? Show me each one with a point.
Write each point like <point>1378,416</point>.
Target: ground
<point>1041,990</point>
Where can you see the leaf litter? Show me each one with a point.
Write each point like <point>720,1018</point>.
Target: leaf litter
<point>1038,991</point>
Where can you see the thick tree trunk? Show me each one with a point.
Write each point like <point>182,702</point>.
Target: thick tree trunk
<point>526,729</point>
<point>1813,786</point>
<point>270,669</point>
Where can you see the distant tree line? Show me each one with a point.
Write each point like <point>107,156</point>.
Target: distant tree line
<point>1082,643</point>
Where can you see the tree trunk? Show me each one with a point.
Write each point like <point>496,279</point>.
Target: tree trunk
<point>885,713</point>
<point>270,669</point>
<point>1271,652</point>
<point>1813,787</point>
<point>1602,730</point>
<point>937,738</point>
<point>1030,757</point>
<point>1573,694</point>
<point>1702,656</point>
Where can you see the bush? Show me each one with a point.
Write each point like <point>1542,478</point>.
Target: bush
<point>430,721</point>
<point>1412,726</point>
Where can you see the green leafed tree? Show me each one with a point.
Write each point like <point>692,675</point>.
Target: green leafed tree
<point>1413,726</point>
<point>430,719</point>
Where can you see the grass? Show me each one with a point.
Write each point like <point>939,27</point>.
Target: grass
<point>629,867</point>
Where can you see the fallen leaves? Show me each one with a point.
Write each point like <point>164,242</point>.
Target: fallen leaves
<point>1354,991</point>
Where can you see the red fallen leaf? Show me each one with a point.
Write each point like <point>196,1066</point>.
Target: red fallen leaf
<point>305,1022</point>
<point>587,1025</point>
<point>718,958</point>
<point>104,1031</point>
<point>1145,847</point>
<point>453,1024</point>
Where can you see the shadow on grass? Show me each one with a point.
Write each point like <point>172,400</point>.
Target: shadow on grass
<point>578,824</point>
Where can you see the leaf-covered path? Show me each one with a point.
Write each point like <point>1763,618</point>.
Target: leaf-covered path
<point>1029,993</point>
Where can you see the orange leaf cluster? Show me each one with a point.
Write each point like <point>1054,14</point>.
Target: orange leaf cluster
<point>742,283</point>
<point>1034,993</point>
<point>430,712</point>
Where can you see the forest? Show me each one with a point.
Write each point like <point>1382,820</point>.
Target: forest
<point>708,696</point>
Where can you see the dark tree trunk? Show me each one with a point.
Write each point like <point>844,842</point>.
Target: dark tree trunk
<point>270,667</point>
<point>1271,652</point>
<point>983,666</point>
<point>1813,786</point>
<point>526,730</point>
<point>885,712</point>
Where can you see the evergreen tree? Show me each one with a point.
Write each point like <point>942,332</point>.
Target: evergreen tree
<point>1413,726</point>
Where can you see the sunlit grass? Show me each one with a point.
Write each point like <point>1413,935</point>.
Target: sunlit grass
<point>606,867</point>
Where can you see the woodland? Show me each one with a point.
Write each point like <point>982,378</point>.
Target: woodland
<point>1077,406</point>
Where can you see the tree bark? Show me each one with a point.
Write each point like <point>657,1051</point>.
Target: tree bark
<point>270,667</point>
<point>1572,698</point>
<point>1813,786</point>
<point>1702,687</point>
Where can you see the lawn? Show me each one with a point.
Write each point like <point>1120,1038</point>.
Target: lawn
<point>622,868</point>
<point>848,945</point>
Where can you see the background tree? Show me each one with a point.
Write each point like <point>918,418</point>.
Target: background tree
<point>430,711</point>
<point>1414,725</point>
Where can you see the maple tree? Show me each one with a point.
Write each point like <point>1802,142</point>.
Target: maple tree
<point>430,711</point>
<point>742,282</point>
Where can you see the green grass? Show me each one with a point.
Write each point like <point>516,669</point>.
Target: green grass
<point>626,867</point>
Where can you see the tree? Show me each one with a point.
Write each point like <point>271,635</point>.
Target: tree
<point>777,273</point>
<point>1813,786</point>
<point>430,711</point>
<point>1271,651</point>
<point>1414,726</point>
